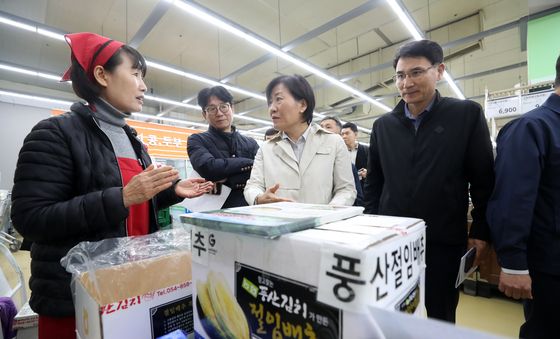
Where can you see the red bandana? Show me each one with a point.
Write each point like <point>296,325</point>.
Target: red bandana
<point>90,50</point>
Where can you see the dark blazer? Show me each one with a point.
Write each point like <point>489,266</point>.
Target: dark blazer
<point>359,191</point>
<point>524,211</point>
<point>217,155</point>
<point>429,173</point>
<point>68,189</point>
<point>362,156</point>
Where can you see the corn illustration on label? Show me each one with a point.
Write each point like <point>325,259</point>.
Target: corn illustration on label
<point>283,308</point>
<point>218,310</point>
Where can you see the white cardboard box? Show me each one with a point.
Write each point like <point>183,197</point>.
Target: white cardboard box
<point>314,283</point>
<point>26,322</point>
<point>144,310</point>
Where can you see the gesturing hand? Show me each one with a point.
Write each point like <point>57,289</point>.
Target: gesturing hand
<point>192,188</point>
<point>145,185</point>
<point>270,196</point>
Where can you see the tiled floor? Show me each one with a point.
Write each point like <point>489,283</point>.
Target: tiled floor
<point>494,315</point>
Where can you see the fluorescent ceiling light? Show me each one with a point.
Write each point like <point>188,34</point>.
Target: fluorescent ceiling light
<point>50,34</point>
<point>179,121</point>
<point>31,28</point>
<point>405,19</point>
<point>169,101</point>
<point>260,121</point>
<point>211,19</point>
<point>417,35</point>
<point>57,78</point>
<point>29,72</point>
<point>36,98</point>
<point>195,77</point>
<point>204,80</point>
<point>453,85</point>
<point>147,97</point>
<point>57,36</point>
<point>185,122</point>
<point>17,24</point>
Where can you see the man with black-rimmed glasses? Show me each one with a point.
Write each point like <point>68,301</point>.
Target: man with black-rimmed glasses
<point>221,152</point>
<point>425,157</point>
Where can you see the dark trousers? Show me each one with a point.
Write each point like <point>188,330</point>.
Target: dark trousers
<point>541,313</point>
<point>442,265</point>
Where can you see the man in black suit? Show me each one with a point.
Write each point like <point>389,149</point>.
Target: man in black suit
<point>358,152</point>
<point>425,158</point>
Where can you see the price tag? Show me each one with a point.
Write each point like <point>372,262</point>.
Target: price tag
<point>532,101</point>
<point>516,105</point>
<point>504,107</point>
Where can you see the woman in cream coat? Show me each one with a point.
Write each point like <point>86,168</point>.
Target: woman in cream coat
<point>303,163</point>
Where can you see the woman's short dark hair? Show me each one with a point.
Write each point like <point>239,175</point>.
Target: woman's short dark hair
<point>87,88</point>
<point>299,88</point>
<point>218,91</point>
<point>428,49</point>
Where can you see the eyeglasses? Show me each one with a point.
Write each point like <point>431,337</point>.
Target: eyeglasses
<point>224,108</point>
<point>414,74</point>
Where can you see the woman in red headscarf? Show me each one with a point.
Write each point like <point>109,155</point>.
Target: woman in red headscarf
<point>84,176</point>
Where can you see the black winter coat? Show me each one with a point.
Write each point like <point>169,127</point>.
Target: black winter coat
<point>428,173</point>
<point>68,189</point>
<point>217,155</point>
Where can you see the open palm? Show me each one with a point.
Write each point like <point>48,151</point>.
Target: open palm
<point>192,188</point>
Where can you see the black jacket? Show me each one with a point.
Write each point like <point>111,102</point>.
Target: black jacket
<point>362,156</point>
<point>68,189</point>
<point>217,155</point>
<point>426,174</point>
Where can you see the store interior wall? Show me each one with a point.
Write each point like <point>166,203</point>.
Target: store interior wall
<point>16,122</point>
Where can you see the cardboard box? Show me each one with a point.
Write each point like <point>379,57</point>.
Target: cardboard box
<point>26,322</point>
<point>316,283</point>
<point>142,299</point>
<point>25,318</point>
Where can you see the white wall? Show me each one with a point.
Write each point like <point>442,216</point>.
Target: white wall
<point>15,123</point>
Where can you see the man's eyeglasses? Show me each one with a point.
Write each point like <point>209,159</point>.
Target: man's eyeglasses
<point>224,108</point>
<point>414,74</point>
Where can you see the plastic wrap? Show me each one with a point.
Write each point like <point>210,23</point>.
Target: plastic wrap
<point>119,268</point>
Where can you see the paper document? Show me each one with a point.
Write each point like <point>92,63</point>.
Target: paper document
<point>206,202</point>
<point>466,267</point>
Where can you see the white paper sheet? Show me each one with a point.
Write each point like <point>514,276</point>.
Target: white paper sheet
<point>206,202</point>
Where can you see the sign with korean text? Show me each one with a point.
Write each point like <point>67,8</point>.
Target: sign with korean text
<point>171,316</point>
<point>162,141</point>
<point>279,307</point>
<point>351,279</point>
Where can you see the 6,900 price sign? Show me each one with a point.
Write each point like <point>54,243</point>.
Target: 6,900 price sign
<point>517,105</point>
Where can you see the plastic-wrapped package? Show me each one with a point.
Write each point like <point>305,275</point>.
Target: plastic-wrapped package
<point>114,269</point>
